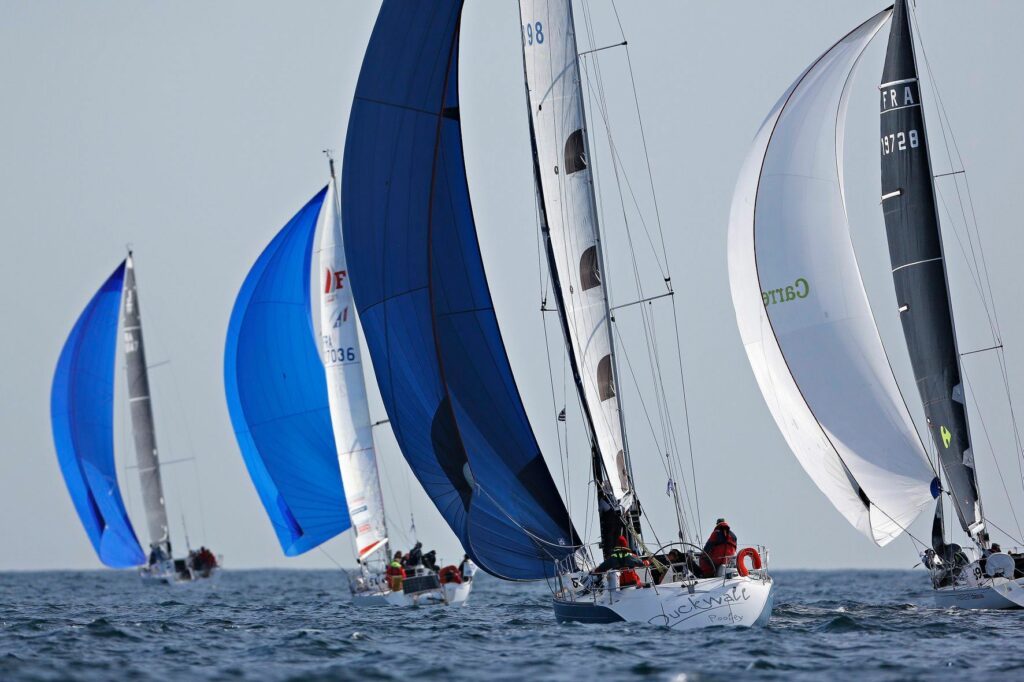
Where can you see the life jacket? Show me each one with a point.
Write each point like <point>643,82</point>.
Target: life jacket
<point>450,574</point>
<point>628,577</point>
<point>395,570</point>
<point>720,546</point>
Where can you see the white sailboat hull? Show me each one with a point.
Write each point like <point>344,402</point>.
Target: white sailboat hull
<point>450,594</point>
<point>741,601</point>
<point>1000,594</point>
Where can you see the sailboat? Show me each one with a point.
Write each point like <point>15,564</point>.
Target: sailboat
<point>82,416</point>
<point>302,418</point>
<point>431,328</point>
<point>809,332</point>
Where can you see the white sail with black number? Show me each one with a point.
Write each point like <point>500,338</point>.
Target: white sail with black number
<point>569,221</point>
<point>346,386</point>
<point>803,313</point>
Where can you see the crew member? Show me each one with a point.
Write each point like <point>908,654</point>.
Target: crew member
<point>395,573</point>
<point>467,568</point>
<point>624,560</point>
<point>719,547</point>
<point>415,556</point>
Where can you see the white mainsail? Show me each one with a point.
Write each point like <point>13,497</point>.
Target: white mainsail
<point>804,315</point>
<point>346,386</point>
<point>567,189</point>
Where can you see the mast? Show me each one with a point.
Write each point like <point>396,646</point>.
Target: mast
<point>575,258</point>
<point>919,270</point>
<point>143,428</point>
<point>346,386</point>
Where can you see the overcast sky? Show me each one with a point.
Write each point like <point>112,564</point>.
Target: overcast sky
<point>193,131</point>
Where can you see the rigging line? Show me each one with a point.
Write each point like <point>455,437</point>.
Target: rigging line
<point>617,159</point>
<point>1004,532</point>
<point>599,49</point>
<point>991,448</point>
<point>943,114</point>
<point>643,141</point>
<point>686,412</point>
<point>981,350</point>
<point>653,355</point>
<point>603,110</point>
<point>642,300</point>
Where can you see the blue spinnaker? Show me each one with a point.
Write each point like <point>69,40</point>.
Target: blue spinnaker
<point>277,393</point>
<point>82,415</point>
<point>422,295</point>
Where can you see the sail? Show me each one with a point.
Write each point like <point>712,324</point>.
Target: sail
<point>918,269</point>
<point>346,387</point>
<point>803,313</point>
<point>423,300</point>
<point>277,394</point>
<point>142,415</point>
<point>570,216</point>
<point>82,416</point>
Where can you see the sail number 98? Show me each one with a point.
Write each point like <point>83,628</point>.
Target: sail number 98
<point>533,33</point>
<point>897,142</point>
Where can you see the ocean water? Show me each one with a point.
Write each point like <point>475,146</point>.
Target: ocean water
<point>298,625</point>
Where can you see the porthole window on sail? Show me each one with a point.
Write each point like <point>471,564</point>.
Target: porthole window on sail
<point>575,154</point>
<point>620,462</point>
<point>590,273</point>
<point>605,382</point>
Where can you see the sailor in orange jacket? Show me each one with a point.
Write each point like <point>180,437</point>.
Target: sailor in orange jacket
<point>719,547</point>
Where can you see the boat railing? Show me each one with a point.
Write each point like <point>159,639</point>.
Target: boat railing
<point>576,580</point>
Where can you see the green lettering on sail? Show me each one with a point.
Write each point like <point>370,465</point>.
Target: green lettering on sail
<point>800,288</point>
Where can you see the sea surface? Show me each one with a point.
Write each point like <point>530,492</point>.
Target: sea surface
<point>298,625</point>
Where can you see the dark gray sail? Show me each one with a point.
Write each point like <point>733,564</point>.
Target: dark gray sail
<point>142,417</point>
<point>919,272</point>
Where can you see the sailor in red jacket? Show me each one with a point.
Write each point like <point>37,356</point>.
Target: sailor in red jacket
<point>719,547</point>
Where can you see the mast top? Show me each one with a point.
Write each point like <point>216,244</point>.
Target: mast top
<point>329,153</point>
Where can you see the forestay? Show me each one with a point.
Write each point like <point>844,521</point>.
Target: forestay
<point>140,403</point>
<point>277,394</point>
<point>346,386</point>
<point>82,416</point>
<point>918,268</point>
<point>424,304</point>
<point>803,313</point>
<point>567,193</point>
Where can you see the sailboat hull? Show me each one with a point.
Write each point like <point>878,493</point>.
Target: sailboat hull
<point>168,573</point>
<point>450,594</point>
<point>739,602</point>
<point>1001,594</point>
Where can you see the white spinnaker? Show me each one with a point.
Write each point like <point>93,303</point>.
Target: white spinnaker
<point>803,312</point>
<point>556,107</point>
<point>346,386</point>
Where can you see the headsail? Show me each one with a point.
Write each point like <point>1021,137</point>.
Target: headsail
<point>803,313</point>
<point>419,284</point>
<point>346,386</point>
<point>277,394</point>
<point>918,268</point>
<point>142,416</point>
<point>565,189</point>
<point>82,415</point>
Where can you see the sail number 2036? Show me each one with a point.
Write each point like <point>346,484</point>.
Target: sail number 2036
<point>897,142</point>
<point>533,33</point>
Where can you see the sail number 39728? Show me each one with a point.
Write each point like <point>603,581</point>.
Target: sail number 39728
<point>533,33</point>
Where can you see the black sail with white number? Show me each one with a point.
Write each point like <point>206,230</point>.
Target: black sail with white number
<point>919,273</point>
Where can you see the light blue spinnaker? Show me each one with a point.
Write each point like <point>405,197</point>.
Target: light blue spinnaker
<point>277,393</point>
<point>82,416</point>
